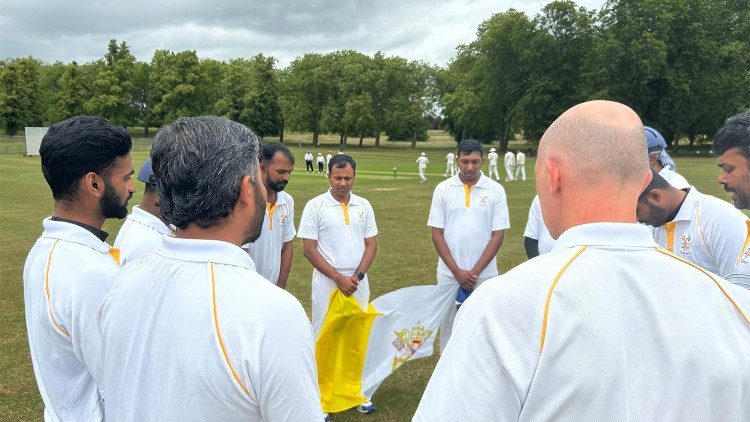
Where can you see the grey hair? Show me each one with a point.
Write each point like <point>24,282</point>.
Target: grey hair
<point>199,163</point>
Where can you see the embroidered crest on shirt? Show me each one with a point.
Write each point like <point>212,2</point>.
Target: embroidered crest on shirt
<point>283,218</point>
<point>407,342</point>
<point>745,257</point>
<point>484,200</point>
<point>361,216</point>
<point>685,244</point>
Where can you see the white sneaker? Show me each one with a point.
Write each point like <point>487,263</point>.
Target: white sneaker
<point>366,407</point>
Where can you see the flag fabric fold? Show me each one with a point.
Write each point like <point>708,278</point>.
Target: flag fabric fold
<point>357,349</point>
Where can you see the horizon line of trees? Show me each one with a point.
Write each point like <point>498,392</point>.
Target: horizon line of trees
<point>682,65</point>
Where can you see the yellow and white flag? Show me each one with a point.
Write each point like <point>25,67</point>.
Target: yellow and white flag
<point>357,349</point>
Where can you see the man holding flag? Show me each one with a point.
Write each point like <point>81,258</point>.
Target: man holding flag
<point>339,238</point>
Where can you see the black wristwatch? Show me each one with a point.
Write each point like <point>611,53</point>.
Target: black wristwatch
<point>360,275</point>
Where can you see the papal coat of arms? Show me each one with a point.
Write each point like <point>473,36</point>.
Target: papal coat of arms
<point>407,342</point>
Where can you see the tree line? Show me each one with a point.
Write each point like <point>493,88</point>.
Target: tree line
<point>683,65</point>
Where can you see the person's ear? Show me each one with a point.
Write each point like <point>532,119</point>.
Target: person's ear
<point>93,184</point>
<point>552,168</point>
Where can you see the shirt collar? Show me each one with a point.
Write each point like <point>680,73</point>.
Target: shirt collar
<point>606,234</point>
<point>73,231</point>
<point>333,202</point>
<point>688,205</point>
<point>482,182</point>
<point>202,250</point>
<point>281,198</point>
<point>144,217</point>
<point>99,233</point>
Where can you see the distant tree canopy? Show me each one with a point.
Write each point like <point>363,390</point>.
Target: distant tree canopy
<point>681,64</point>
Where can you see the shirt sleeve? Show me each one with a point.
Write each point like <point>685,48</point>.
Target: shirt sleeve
<point>372,227</point>
<point>731,235</point>
<point>500,217</point>
<point>290,231</point>
<point>437,214</point>
<point>535,215</point>
<point>308,224</point>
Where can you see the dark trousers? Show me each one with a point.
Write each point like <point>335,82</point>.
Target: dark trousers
<point>320,167</point>
<point>309,165</point>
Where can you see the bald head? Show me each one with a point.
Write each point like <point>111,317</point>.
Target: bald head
<point>592,165</point>
<point>601,138</point>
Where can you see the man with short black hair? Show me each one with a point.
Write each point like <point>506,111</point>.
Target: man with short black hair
<point>732,149</point>
<point>87,165</point>
<point>339,238</point>
<point>272,252</point>
<point>142,231</point>
<point>192,331</point>
<point>700,228</point>
<point>468,218</point>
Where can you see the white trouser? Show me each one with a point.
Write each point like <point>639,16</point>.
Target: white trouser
<point>450,170</point>
<point>509,172</point>
<point>322,287</point>
<point>521,172</point>
<point>422,178</point>
<point>446,326</point>
<point>493,170</point>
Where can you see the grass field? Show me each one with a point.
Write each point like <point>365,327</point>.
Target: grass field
<point>405,252</point>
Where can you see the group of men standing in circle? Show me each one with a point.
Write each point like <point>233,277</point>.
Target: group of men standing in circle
<point>616,321</point>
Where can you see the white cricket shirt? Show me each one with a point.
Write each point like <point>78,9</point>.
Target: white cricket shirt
<point>422,161</point>
<point>193,333</point>
<point>520,158</point>
<point>536,229</point>
<point>468,216</point>
<point>67,274</point>
<point>510,159</point>
<point>450,158</point>
<point>139,235</point>
<point>707,231</point>
<point>741,275</point>
<point>492,158</point>
<point>605,327</point>
<point>673,178</point>
<point>278,228</point>
<point>340,229</point>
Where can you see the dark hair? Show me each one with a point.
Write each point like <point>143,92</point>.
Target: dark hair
<point>341,161</point>
<point>268,151</point>
<point>467,146</point>
<point>74,147</point>
<point>199,163</point>
<point>657,182</point>
<point>734,134</point>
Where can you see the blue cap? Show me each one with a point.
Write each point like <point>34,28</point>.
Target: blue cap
<point>146,175</point>
<point>654,140</point>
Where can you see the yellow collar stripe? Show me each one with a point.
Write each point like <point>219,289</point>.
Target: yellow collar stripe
<point>345,208</point>
<point>467,195</point>
<point>670,235</point>
<point>271,208</point>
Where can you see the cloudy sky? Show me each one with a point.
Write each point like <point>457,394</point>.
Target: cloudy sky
<point>426,30</point>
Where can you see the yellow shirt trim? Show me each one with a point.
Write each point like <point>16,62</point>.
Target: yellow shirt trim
<point>271,208</point>
<point>345,208</point>
<point>731,299</point>
<point>549,295</point>
<point>670,227</point>
<point>746,244</point>
<point>115,254</point>
<point>47,294</point>
<point>218,333</point>
<point>467,195</point>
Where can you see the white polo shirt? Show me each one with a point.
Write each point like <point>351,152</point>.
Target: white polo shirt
<point>707,231</point>
<point>339,229</point>
<point>605,327</point>
<point>673,178</point>
<point>450,158</point>
<point>510,159</point>
<point>67,274</point>
<point>520,158</point>
<point>278,228</point>
<point>193,333</point>
<point>422,161</point>
<point>139,235</point>
<point>468,216</point>
<point>492,158</point>
<point>741,275</point>
<point>536,229</point>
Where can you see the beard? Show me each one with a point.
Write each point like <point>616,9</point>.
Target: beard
<point>256,224</point>
<point>276,186</point>
<point>110,203</point>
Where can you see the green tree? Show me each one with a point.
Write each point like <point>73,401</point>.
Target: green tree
<point>71,95</point>
<point>308,89</point>
<point>112,89</point>
<point>175,81</point>
<point>262,111</point>
<point>19,94</point>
